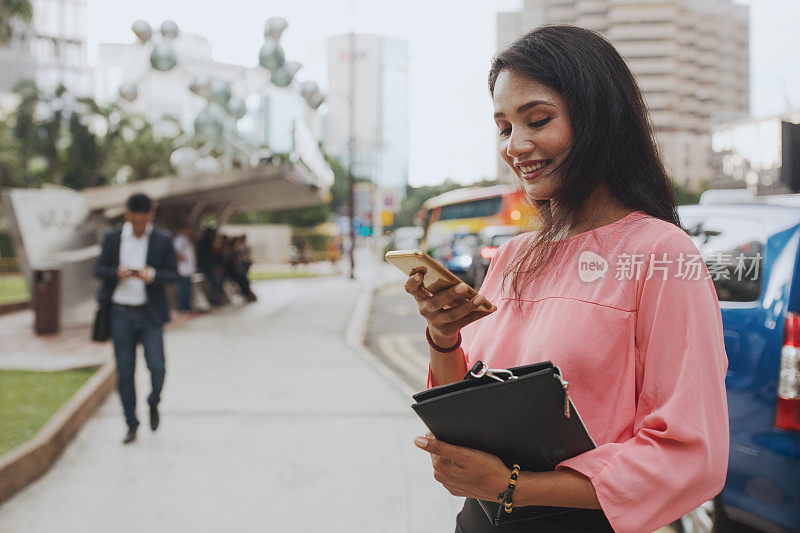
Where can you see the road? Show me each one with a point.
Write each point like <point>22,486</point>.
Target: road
<point>396,335</point>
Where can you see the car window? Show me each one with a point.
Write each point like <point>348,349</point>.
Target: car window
<point>499,240</point>
<point>485,207</point>
<point>465,244</point>
<point>732,249</point>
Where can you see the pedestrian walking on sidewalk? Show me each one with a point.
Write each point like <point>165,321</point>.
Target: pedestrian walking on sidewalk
<point>136,263</point>
<point>187,265</point>
<point>209,262</point>
<point>602,291</point>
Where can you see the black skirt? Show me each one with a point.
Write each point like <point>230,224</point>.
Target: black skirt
<point>472,519</point>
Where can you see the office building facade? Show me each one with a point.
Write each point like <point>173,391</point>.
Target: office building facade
<point>380,107</point>
<point>51,50</point>
<point>690,58</point>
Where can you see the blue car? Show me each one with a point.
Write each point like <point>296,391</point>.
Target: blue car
<point>759,238</point>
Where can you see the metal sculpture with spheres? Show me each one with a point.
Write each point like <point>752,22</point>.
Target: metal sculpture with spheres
<point>282,73</point>
<point>162,53</point>
<point>215,126</point>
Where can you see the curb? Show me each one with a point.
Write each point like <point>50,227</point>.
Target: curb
<point>355,335</point>
<point>14,307</point>
<point>24,464</point>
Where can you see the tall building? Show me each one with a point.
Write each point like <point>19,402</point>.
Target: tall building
<point>690,57</point>
<point>380,107</point>
<point>51,50</point>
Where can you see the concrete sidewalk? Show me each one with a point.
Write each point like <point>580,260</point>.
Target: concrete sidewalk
<point>270,422</point>
<point>22,349</point>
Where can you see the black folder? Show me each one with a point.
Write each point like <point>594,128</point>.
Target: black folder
<point>521,414</point>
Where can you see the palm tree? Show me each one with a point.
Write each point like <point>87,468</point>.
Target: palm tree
<point>10,10</point>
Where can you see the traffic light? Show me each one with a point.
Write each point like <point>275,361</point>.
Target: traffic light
<point>360,228</point>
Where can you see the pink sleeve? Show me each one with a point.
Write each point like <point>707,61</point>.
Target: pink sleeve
<point>678,455</point>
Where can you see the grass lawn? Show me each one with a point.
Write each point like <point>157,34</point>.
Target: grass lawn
<point>29,399</point>
<point>13,289</point>
<point>259,276</point>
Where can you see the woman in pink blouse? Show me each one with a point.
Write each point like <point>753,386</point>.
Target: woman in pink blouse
<point>610,289</point>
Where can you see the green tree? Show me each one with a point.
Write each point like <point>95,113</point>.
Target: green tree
<point>54,141</point>
<point>51,135</point>
<point>133,143</point>
<point>11,166</point>
<point>341,188</point>
<point>24,127</point>
<point>82,155</point>
<point>685,195</point>
<point>40,125</point>
<point>10,10</point>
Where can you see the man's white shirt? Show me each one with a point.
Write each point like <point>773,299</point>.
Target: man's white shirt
<point>188,263</point>
<point>132,255</point>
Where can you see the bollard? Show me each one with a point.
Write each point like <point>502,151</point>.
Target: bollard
<point>46,301</point>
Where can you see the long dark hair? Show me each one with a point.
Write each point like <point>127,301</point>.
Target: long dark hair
<point>612,145</point>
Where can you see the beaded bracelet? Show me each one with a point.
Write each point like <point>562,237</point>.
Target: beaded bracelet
<point>439,349</point>
<point>512,484</point>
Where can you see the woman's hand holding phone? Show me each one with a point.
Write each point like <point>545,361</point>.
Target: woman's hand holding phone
<point>447,311</point>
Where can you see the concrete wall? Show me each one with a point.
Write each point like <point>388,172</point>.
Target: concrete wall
<point>269,242</point>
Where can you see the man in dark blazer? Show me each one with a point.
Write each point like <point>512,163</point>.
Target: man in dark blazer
<point>136,263</point>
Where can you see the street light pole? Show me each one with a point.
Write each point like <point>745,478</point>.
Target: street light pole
<point>350,152</point>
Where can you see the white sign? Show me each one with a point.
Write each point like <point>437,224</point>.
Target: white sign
<point>52,230</point>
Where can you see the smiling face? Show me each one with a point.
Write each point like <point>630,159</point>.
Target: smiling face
<point>535,131</point>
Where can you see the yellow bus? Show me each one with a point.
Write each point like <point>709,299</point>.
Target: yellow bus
<point>468,210</point>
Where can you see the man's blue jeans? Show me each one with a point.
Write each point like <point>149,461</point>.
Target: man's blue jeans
<point>184,293</point>
<point>129,327</point>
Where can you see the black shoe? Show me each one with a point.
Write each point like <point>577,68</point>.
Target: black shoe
<point>154,418</point>
<point>130,436</point>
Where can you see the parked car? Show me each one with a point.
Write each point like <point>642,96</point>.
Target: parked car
<point>456,255</point>
<point>761,322</point>
<point>726,196</point>
<point>406,238</point>
<point>489,240</point>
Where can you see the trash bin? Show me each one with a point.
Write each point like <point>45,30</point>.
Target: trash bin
<point>46,300</point>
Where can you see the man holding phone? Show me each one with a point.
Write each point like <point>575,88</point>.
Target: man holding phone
<point>135,264</point>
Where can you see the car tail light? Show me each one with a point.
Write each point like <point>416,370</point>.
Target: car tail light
<point>487,252</point>
<point>787,411</point>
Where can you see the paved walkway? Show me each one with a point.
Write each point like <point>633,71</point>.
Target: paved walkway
<point>270,422</point>
<point>22,349</point>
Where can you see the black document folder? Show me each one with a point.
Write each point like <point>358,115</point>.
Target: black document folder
<point>522,415</point>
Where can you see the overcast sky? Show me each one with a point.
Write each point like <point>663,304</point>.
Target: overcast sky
<point>450,46</point>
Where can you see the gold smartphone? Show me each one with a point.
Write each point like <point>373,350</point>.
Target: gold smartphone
<point>435,278</point>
